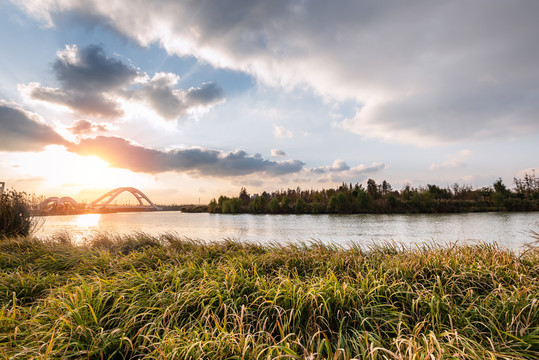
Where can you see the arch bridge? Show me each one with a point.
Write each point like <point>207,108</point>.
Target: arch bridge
<point>104,203</point>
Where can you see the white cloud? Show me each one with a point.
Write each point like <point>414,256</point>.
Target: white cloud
<point>96,85</point>
<point>340,171</point>
<point>281,132</point>
<point>423,71</point>
<point>278,152</point>
<point>453,161</point>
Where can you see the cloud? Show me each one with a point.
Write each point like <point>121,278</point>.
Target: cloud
<point>93,104</point>
<point>281,132</point>
<point>93,84</point>
<point>24,131</point>
<point>172,103</point>
<point>119,152</point>
<point>90,70</point>
<point>86,127</point>
<point>90,81</point>
<point>340,166</point>
<point>277,152</point>
<point>421,72</point>
<point>340,171</point>
<point>453,161</point>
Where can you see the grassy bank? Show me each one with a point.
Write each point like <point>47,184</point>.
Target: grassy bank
<point>169,298</point>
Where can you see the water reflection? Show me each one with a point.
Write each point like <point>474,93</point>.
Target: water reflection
<point>509,229</point>
<point>87,221</point>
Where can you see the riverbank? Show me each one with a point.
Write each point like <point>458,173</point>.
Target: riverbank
<point>167,297</point>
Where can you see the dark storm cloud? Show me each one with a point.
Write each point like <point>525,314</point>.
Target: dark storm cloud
<point>121,153</point>
<point>22,131</point>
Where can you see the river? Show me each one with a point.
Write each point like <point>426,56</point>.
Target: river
<point>511,230</point>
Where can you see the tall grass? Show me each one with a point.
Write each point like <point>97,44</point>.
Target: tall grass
<point>166,297</point>
<point>15,216</point>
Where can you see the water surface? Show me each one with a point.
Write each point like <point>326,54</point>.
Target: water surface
<point>507,229</point>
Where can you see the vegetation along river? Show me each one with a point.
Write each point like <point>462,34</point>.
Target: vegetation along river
<point>510,230</point>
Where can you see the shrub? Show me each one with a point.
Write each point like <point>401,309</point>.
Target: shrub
<point>15,215</point>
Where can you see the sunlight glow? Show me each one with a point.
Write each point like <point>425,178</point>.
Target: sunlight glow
<point>76,175</point>
<point>87,221</point>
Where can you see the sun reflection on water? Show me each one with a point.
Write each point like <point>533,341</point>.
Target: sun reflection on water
<point>87,221</point>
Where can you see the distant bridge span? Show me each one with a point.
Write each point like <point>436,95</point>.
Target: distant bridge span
<point>103,203</point>
<point>111,195</point>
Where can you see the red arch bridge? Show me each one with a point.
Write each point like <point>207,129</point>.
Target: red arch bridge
<point>104,203</point>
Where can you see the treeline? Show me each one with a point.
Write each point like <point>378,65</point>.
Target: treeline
<point>383,199</point>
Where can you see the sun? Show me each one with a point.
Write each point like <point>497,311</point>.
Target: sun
<point>70,174</point>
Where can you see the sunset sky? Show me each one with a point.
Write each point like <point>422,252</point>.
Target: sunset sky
<point>187,100</point>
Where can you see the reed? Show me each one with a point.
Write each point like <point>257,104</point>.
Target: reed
<point>15,215</point>
<point>167,297</point>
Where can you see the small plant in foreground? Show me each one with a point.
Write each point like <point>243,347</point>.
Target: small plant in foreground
<point>15,216</point>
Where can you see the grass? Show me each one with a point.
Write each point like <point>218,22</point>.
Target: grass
<point>140,296</point>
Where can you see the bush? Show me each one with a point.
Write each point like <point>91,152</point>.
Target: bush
<point>15,216</point>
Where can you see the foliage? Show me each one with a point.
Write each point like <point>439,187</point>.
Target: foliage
<point>15,215</point>
<point>231,206</point>
<point>139,296</point>
<point>258,205</point>
<point>382,198</point>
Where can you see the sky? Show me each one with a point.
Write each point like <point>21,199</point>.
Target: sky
<point>189,100</point>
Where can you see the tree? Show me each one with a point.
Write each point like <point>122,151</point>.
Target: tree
<point>528,187</point>
<point>363,200</point>
<point>285,204</point>
<point>231,206</point>
<point>212,206</point>
<point>386,187</point>
<point>372,189</point>
<point>500,193</point>
<point>244,197</point>
<point>301,205</point>
<point>274,206</point>
<point>341,203</point>
<point>258,205</point>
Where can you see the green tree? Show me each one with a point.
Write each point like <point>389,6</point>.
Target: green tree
<point>372,189</point>
<point>392,201</point>
<point>231,206</point>
<point>363,200</point>
<point>317,207</point>
<point>258,205</point>
<point>212,206</point>
<point>301,206</point>
<point>285,204</point>
<point>274,206</point>
<point>500,193</point>
<point>341,203</point>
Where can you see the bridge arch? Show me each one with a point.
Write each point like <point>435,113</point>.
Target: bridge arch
<point>109,197</point>
<point>54,202</point>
